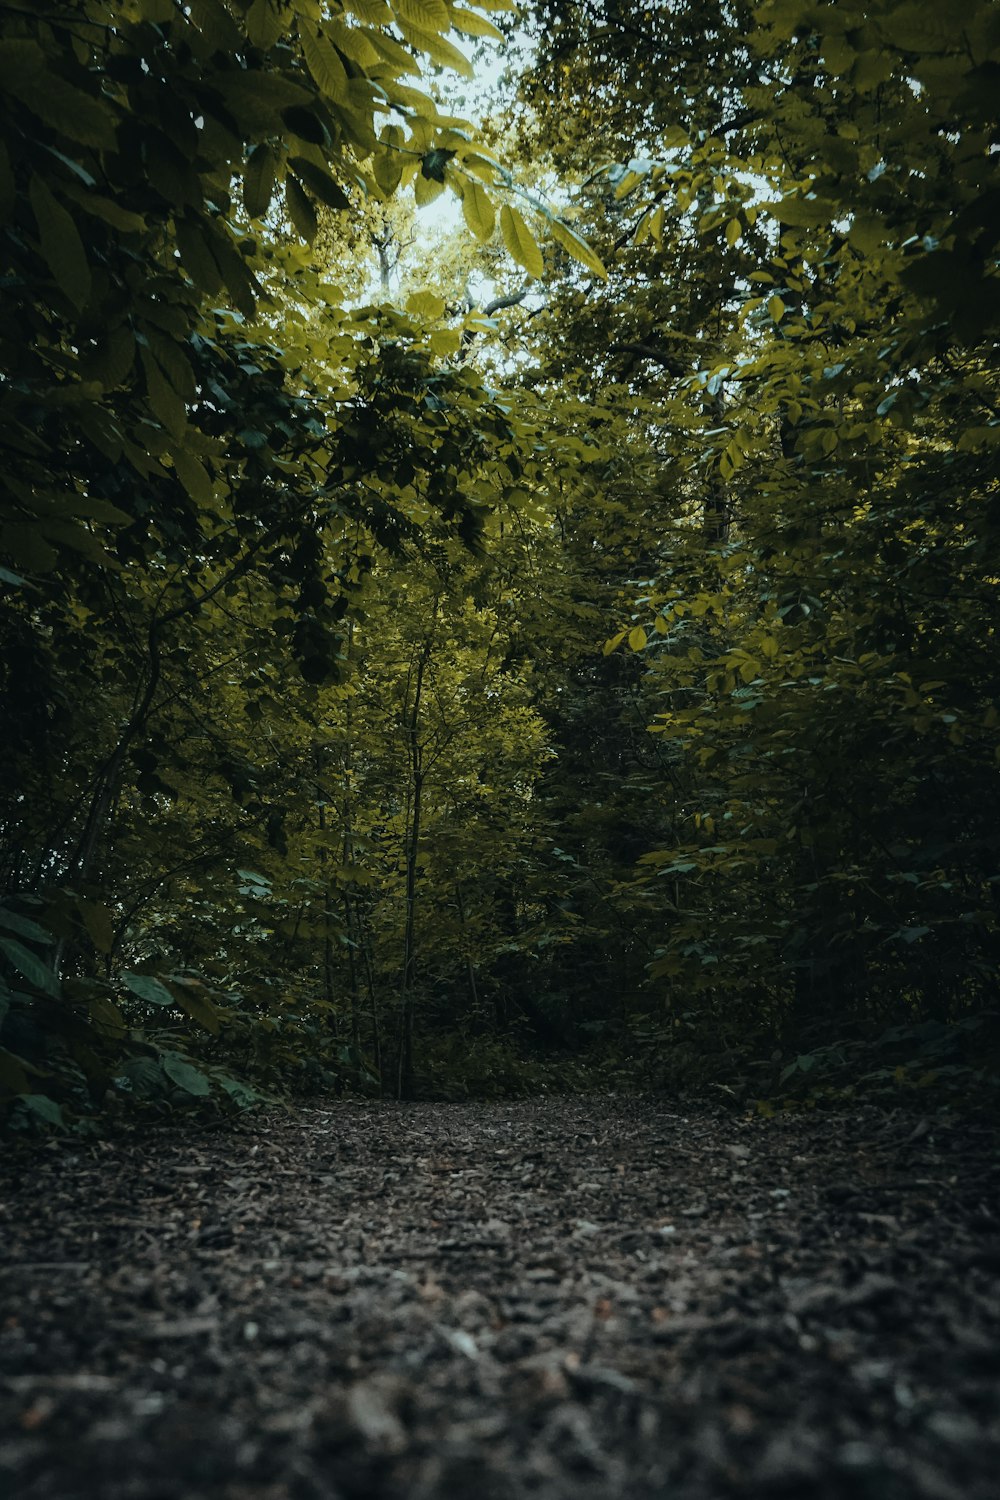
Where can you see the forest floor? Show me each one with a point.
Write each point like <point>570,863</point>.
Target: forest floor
<point>559,1298</point>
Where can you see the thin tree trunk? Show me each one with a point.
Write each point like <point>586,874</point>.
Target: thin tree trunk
<point>404,1072</point>
<point>469,965</point>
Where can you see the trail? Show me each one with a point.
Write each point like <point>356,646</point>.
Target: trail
<point>558,1298</point>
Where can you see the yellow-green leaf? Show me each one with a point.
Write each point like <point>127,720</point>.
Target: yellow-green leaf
<point>637,638</point>
<point>445,342</point>
<point>166,405</point>
<point>472,25</point>
<point>100,207</point>
<point>734,232</point>
<point>520,242</point>
<point>112,360</point>
<point>258,180</point>
<point>100,928</point>
<point>425,305</point>
<point>614,643</point>
<point>578,248</point>
<point>477,210</point>
<point>197,258</point>
<point>62,247</point>
<point>776,308</point>
<point>374,12</point>
<point>628,184</point>
<point>388,169</point>
<point>195,1003</point>
<point>193,476</point>
<point>324,63</point>
<point>430,15</point>
<point>300,211</point>
<point>264,24</point>
<point>319,183</point>
<point>426,189</point>
<point>352,43</point>
<point>437,48</point>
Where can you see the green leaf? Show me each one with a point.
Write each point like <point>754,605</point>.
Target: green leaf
<point>430,15</point>
<point>99,207</point>
<point>194,477</point>
<point>216,25</point>
<point>324,63</point>
<point>147,988</point>
<point>257,98</point>
<point>196,1004</point>
<point>306,124</point>
<point>442,52</point>
<point>520,242</point>
<point>144,1076</point>
<point>197,258</point>
<point>24,927</point>
<point>31,966</point>
<point>258,180</point>
<point>167,406</point>
<point>185,1075</point>
<point>300,211</point>
<point>76,115</point>
<point>43,1108</point>
<point>432,165</point>
<point>319,183</point>
<point>776,308</point>
<point>473,25</point>
<point>637,638</point>
<point>264,24</point>
<point>477,210</point>
<point>62,247</point>
<point>425,190</point>
<point>426,305</point>
<point>578,248</point>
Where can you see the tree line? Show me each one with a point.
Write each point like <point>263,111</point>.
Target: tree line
<point>558,651</point>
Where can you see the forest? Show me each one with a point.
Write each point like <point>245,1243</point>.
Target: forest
<point>499,552</point>
<point>500,701</point>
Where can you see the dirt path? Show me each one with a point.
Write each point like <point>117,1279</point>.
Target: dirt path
<point>583,1298</point>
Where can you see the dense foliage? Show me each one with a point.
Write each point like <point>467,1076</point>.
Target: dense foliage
<point>416,695</point>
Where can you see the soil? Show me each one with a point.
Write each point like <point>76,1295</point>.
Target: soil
<point>558,1298</point>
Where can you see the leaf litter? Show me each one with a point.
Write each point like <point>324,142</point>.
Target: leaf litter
<point>559,1298</point>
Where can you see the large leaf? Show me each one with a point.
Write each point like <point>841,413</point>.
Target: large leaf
<point>265,23</point>
<point>473,25</point>
<point>477,210</point>
<point>324,63</point>
<point>43,1108</point>
<point>300,210</point>
<point>520,242</point>
<point>31,966</point>
<point>319,183</point>
<point>164,400</point>
<point>185,1074</point>
<point>195,1002</point>
<point>197,258</point>
<point>61,244</point>
<point>578,248</point>
<point>430,15</point>
<point>148,988</point>
<point>24,926</point>
<point>194,477</point>
<point>78,116</point>
<point>437,48</point>
<point>258,180</point>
